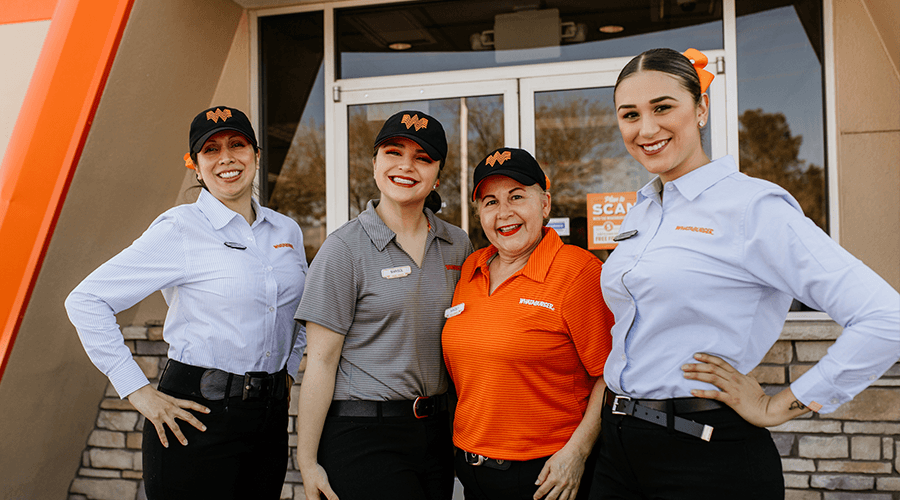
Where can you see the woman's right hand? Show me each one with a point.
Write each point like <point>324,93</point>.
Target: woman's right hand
<point>161,409</point>
<point>315,480</point>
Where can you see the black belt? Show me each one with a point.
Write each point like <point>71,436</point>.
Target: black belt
<point>481,460</point>
<point>657,411</point>
<point>215,385</point>
<point>421,407</point>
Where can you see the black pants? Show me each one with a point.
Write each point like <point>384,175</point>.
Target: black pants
<point>516,483</point>
<point>388,458</point>
<point>641,460</point>
<point>243,453</point>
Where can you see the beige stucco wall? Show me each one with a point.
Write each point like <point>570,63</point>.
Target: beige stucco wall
<point>20,46</point>
<point>168,67</point>
<point>868,124</point>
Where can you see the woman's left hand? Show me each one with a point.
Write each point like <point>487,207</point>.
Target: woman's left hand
<point>742,392</point>
<point>289,382</point>
<point>561,476</point>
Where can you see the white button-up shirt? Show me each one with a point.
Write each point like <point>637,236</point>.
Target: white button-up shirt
<point>713,268</point>
<point>232,289</point>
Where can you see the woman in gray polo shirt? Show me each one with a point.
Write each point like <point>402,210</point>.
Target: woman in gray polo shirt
<point>373,420</point>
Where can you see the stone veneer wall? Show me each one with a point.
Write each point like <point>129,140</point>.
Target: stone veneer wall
<point>853,453</point>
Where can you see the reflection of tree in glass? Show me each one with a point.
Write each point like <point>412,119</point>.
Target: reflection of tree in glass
<point>299,191</point>
<point>769,151</point>
<point>362,133</point>
<point>485,132</point>
<point>576,137</point>
<point>485,120</point>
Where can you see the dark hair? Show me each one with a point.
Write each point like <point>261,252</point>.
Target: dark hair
<point>666,61</point>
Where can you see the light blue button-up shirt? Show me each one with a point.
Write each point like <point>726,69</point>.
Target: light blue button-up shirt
<point>232,289</point>
<point>713,268</point>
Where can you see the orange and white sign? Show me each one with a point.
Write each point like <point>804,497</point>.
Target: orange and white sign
<point>605,214</point>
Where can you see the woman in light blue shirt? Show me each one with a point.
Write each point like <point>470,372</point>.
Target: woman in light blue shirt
<point>232,273</point>
<point>707,264</point>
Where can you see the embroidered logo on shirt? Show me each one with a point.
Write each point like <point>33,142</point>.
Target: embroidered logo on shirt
<point>415,121</point>
<point>282,245</point>
<point>704,230</point>
<point>498,157</point>
<point>453,268</point>
<point>531,302</point>
<point>218,113</point>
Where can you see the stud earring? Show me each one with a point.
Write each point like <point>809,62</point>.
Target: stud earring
<point>701,124</point>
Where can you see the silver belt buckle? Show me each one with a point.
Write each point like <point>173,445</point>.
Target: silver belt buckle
<point>615,405</point>
<point>479,459</point>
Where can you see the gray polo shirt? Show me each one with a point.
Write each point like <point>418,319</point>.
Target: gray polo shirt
<point>362,285</point>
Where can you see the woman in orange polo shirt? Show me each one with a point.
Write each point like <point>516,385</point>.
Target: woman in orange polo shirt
<point>525,344</point>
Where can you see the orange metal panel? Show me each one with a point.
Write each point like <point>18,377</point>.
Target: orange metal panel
<point>20,11</point>
<point>47,142</point>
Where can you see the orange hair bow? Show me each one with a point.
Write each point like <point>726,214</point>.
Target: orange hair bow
<point>188,163</point>
<point>699,60</point>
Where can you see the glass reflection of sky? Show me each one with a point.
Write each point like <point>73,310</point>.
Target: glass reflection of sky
<point>778,71</point>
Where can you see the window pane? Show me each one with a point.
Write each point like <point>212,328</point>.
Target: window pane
<point>293,118</point>
<point>782,123</point>
<point>482,118</point>
<point>454,35</point>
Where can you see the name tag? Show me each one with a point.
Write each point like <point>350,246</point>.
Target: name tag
<point>454,311</point>
<point>625,235</point>
<point>396,272</point>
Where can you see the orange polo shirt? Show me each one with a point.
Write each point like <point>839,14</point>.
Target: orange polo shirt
<point>525,358</point>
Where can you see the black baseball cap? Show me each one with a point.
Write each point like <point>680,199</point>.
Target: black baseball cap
<point>416,126</point>
<point>517,164</point>
<point>217,119</point>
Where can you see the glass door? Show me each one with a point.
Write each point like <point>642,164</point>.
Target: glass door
<point>476,117</point>
<point>569,123</point>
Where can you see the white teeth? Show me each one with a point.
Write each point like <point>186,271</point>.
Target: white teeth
<point>406,182</point>
<point>506,229</point>
<point>655,147</point>
<point>229,174</point>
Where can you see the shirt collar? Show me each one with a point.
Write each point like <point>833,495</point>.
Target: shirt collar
<point>539,261</point>
<point>381,235</point>
<point>691,184</point>
<point>219,215</point>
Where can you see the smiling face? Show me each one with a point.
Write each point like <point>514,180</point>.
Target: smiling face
<point>227,166</point>
<point>404,172</point>
<point>512,215</point>
<point>660,123</point>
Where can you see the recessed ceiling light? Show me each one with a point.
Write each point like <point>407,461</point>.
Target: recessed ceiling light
<point>400,46</point>
<point>611,28</point>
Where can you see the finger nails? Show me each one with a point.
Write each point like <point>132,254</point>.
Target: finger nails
<point>203,428</point>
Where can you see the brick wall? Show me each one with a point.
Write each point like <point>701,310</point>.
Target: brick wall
<point>853,453</point>
<point>111,462</point>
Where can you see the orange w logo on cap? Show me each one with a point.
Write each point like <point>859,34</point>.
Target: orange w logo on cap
<point>415,121</point>
<point>218,113</point>
<point>497,157</point>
